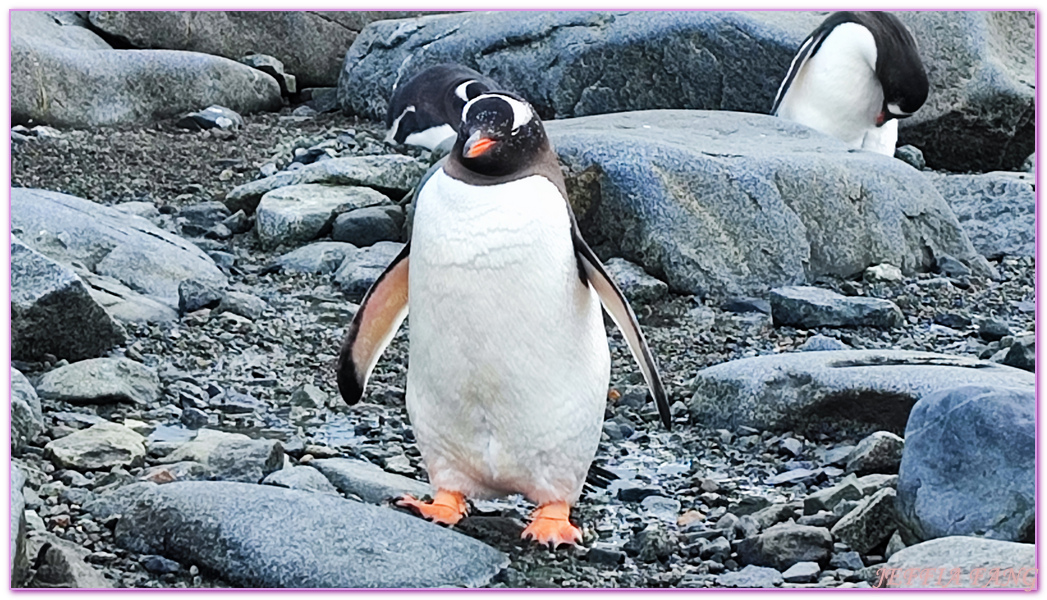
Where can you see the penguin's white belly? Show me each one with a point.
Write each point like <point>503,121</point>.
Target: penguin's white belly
<point>509,364</point>
<point>836,92</point>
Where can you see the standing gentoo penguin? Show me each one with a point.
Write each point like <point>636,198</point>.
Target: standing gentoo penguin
<point>509,364</point>
<point>427,109</point>
<point>853,77</point>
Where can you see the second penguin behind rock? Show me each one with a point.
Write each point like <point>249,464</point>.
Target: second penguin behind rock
<point>853,78</point>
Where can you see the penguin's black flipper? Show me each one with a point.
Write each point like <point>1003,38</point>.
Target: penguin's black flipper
<point>382,311</point>
<point>593,272</point>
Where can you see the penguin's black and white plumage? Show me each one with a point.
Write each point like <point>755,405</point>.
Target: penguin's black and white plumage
<point>853,78</point>
<point>427,109</point>
<point>509,365</point>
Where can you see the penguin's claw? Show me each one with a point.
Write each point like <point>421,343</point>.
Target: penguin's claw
<point>447,508</point>
<point>551,525</point>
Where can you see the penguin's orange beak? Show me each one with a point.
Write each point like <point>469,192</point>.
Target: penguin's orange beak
<point>474,148</point>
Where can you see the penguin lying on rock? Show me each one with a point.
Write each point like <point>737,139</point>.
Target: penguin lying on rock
<point>427,109</point>
<point>509,364</point>
<point>853,78</point>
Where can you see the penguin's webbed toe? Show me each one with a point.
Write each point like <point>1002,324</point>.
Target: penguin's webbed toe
<point>446,508</point>
<point>552,525</point>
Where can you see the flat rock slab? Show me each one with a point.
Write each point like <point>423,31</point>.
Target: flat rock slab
<point>998,212</point>
<point>751,577</point>
<point>637,286</point>
<point>100,446</point>
<point>53,312</point>
<point>864,389</point>
<point>264,536</point>
<point>106,241</point>
<point>961,562</point>
<point>101,381</point>
<point>300,213</point>
<point>810,307</point>
<point>731,204</point>
<point>102,88</point>
<point>969,465</point>
<point>391,173</point>
<point>369,482</point>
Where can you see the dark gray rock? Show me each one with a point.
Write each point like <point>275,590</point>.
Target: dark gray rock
<point>822,343</point>
<point>867,389</point>
<point>237,222</point>
<point>976,560</point>
<point>108,242</point>
<point>306,479</point>
<point>748,305</point>
<point>204,214</point>
<point>186,470</point>
<point>784,545</point>
<point>193,418</point>
<point>368,482</point>
<point>968,465</point>
<point>392,173</point>
<point>194,294</point>
<point>1022,353</point>
<point>751,576</point>
<point>235,403</point>
<point>18,563</point>
<point>912,156</point>
<point>580,63</point>
<point>997,212</point>
<point>122,303</point>
<point>880,452</point>
<point>52,311</point>
<point>602,553</point>
<point>361,269</point>
<point>811,307</point>
<point>100,446</point>
<point>264,536</point>
<point>993,329</point>
<point>639,287</point>
<point>847,560</point>
<point>212,117</point>
<point>321,99</point>
<point>651,187</point>
<point>979,115</point>
<point>653,543</point>
<point>101,381</point>
<point>157,564</point>
<point>247,461</point>
<point>300,213</point>
<point>62,564</point>
<point>319,257</point>
<point>310,44</point>
<point>870,523</point>
<point>27,418</point>
<point>827,498</point>
<point>309,396</point>
<point>365,226</point>
<point>274,68</point>
<point>951,267</point>
<point>98,88</point>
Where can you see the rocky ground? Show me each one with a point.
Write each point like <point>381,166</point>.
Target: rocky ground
<point>689,508</point>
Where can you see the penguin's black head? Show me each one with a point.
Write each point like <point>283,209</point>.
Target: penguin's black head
<point>500,134</point>
<point>898,66</point>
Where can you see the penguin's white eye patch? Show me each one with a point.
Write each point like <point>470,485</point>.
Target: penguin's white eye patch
<point>522,113</point>
<point>462,90</point>
<point>894,109</point>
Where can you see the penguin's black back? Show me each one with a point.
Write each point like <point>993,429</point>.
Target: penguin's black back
<point>432,93</point>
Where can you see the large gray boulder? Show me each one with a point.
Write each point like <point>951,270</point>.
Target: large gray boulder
<point>76,88</point>
<point>730,203</point>
<point>997,211</point>
<point>52,311</point>
<point>296,214</point>
<point>101,381</point>
<point>867,390</point>
<point>571,64</point>
<point>980,113</point>
<point>265,536</point>
<point>18,563</point>
<point>27,418</point>
<point>310,44</point>
<point>129,249</point>
<point>969,464</point>
<point>65,29</point>
<point>961,562</point>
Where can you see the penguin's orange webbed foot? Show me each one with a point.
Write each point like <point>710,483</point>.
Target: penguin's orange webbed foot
<point>551,525</point>
<point>447,508</point>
